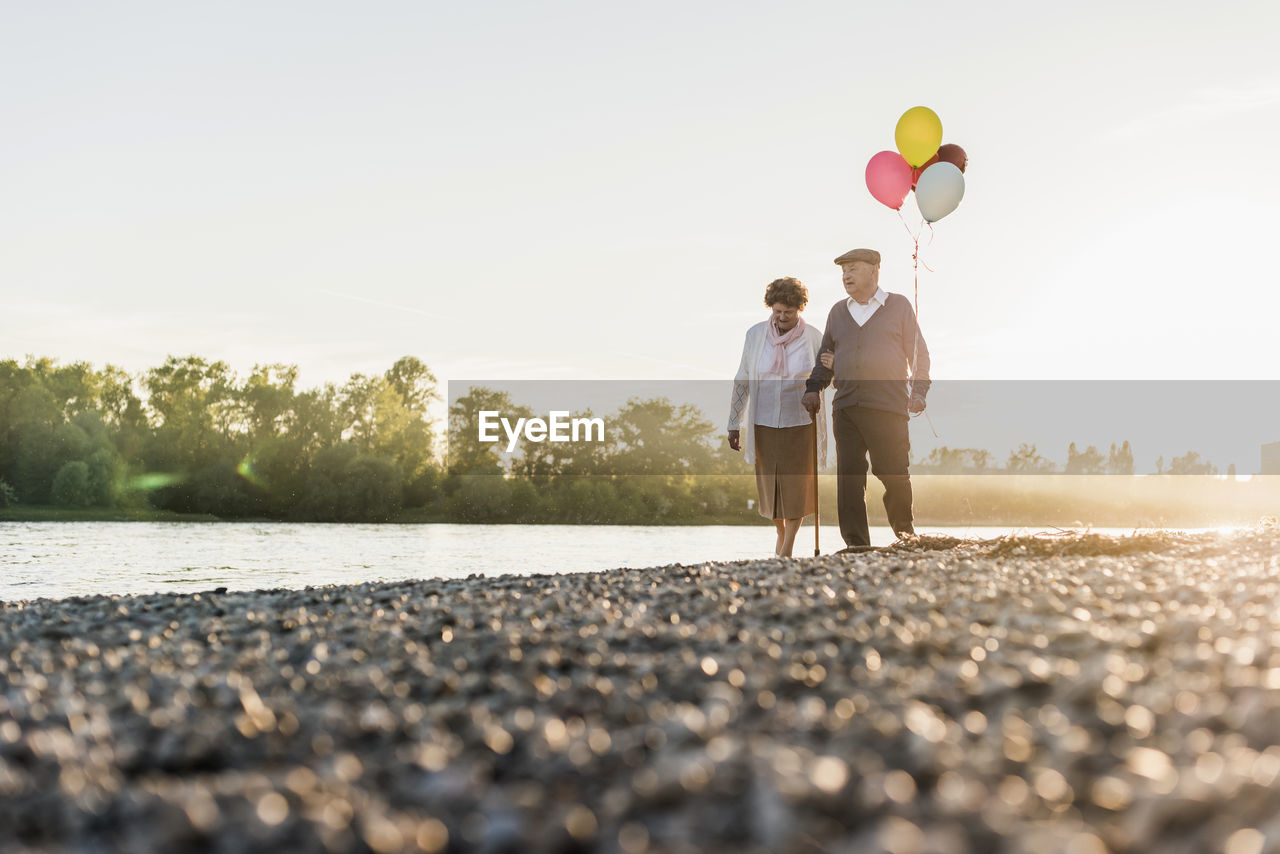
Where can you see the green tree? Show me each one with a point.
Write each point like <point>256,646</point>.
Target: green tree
<point>323,496</point>
<point>37,449</point>
<point>589,501</point>
<point>77,387</point>
<point>545,461</point>
<point>945,460</point>
<point>382,422</point>
<point>658,437</point>
<point>190,436</point>
<point>1027,460</point>
<point>467,454</point>
<point>219,490</point>
<point>345,485</point>
<point>267,402</point>
<point>106,473</point>
<point>1120,461</point>
<point>320,422</point>
<point>1088,461</point>
<point>200,435</point>
<point>1190,463</point>
<point>653,499</point>
<point>279,437</point>
<point>480,498</point>
<point>371,408</point>
<point>413,445</point>
<point>414,382</point>
<point>196,410</point>
<point>373,489</point>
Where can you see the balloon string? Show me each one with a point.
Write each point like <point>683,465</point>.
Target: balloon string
<point>915,344</point>
<point>904,223</point>
<point>931,427</point>
<point>925,264</point>
<point>915,272</point>
<point>916,261</point>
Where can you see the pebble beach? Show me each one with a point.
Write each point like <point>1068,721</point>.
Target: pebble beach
<point>1070,693</point>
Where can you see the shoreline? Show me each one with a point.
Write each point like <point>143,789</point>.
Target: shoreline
<point>829,519</point>
<point>1073,693</point>
<point>1111,501</point>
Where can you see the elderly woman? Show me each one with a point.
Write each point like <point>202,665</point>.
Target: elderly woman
<point>777,357</point>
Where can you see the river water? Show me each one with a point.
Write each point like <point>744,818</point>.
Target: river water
<point>62,559</point>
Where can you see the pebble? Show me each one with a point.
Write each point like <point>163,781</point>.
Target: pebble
<point>1072,693</point>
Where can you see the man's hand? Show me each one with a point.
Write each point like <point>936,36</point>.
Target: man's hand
<point>735,440</point>
<point>812,402</point>
<point>917,405</point>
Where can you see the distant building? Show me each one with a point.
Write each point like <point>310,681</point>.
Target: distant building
<point>1271,458</point>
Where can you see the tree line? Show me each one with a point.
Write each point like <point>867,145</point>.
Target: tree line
<point>1026,459</point>
<point>191,436</point>
<point>661,462</point>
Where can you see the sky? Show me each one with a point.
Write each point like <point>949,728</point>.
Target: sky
<point>522,191</point>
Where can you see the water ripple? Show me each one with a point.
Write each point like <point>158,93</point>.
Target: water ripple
<point>61,559</point>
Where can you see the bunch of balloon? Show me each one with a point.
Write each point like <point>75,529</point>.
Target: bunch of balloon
<point>923,164</point>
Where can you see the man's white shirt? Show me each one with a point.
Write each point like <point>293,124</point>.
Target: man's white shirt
<point>862,313</point>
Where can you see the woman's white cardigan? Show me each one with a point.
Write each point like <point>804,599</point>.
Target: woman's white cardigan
<point>746,386</point>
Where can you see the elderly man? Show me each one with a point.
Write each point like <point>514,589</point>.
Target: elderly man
<point>881,370</point>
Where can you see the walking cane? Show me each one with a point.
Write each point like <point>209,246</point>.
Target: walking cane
<point>817,517</point>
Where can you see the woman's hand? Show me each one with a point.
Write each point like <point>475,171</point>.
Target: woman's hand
<point>735,440</point>
<point>827,358</point>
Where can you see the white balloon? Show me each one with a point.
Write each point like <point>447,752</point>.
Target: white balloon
<point>939,190</point>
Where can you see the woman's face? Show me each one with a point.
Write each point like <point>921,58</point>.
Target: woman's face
<point>785,317</point>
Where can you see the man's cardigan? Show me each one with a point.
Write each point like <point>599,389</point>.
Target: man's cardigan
<point>875,360</point>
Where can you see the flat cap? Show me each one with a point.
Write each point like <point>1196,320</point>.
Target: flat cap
<point>871,256</point>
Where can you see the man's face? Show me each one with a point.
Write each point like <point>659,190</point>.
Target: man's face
<point>860,279</point>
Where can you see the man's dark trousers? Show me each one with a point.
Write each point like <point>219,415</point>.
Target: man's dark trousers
<point>859,430</point>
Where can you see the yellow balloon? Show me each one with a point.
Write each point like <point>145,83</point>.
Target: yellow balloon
<point>918,135</point>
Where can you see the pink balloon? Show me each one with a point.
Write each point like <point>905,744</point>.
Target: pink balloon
<point>889,178</point>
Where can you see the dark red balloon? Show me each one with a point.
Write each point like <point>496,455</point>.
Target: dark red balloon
<point>952,153</point>
<point>915,172</point>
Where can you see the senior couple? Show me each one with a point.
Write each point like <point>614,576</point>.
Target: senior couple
<point>874,353</point>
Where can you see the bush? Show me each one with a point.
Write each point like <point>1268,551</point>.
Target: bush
<point>8,497</point>
<point>322,492</point>
<point>71,485</point>
<point>372,490</point>
<point>481,498</point>
<point>590,501</point>
<point>524,502</point>
<point>105,472</point>
<point>221,492</point>
<point>347,486</point>
<point>422,489</point>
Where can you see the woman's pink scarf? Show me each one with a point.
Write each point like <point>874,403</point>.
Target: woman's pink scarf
<point>780,343</point>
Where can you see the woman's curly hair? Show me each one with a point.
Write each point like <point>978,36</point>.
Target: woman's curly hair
<point>788,291</point>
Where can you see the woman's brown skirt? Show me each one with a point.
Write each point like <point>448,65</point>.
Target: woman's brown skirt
<point>784,471</point>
